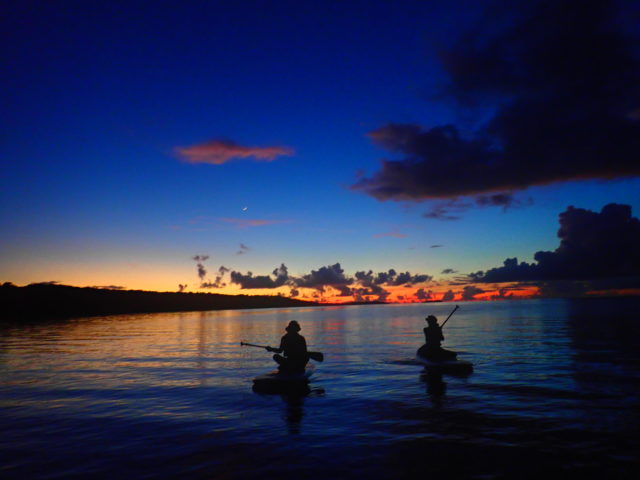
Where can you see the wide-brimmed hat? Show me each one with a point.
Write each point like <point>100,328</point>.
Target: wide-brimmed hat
<point>293,326</point>
<point>432,319</point>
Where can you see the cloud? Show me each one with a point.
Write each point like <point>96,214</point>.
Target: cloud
<point>448,296</point>
<point>344,291</point>
<point>331,275</point>
<point>391,277</point>
<point>470,291</point>
<point>108,287</point>
<point>448,271</point>
<point>558,82</point>
<point>390,234</point>
<point>218,282</point>
<point>421,294</point>
<point>436,246</point>
<point>362,285</point>
<point>278,278</point>
<point>245,223</point>
<point>243,249</point>
<point>202,271</point>
<point>218,152</point>
<point>361,294</point>
<point>592,246</point>
<point>449,210</point>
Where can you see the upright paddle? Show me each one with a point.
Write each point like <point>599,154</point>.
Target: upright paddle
<point>317,356</point>
<point>452,312</point>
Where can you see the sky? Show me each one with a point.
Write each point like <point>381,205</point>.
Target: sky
<point>335,151</point>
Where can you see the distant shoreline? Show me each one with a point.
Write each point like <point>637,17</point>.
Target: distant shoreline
<point>50,301</point>
<point>44,302</point>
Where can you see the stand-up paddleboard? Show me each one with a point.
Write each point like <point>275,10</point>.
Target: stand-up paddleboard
<point>284,381</point>
<point>459,367</point>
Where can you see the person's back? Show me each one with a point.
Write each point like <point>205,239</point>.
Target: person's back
<point>433,339</point>
<point>433,336</point>
<point>294,347</point>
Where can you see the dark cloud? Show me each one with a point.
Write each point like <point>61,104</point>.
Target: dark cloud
<point>421,294</point>
<point>278,278</point>
<point>331,275</point>
<point>243,249</point>
<point>344,291</point>
<point>202,271</point>
<point>504,200</point>
<point>362,294</point>
<point>448,296</point>
<point>407,279</point>
<point>563,288</point>
<point>218,282</point>
<point>361,286</point>
<point>449,210</point>
<point>503,294</point>
<point>470,291</point>
<point>390,278</point>
<point>592,246</point>
<point>559,82</point>
<point>436,246</point>
<point>448,271</point>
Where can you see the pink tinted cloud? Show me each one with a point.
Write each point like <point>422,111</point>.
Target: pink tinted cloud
<point>246,223</point>
<point>217,152</point>
<point>390,234</point>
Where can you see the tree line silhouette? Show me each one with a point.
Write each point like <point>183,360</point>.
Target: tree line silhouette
<point>50,301</point>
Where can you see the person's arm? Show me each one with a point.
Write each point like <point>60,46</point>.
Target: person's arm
<point>279,349</point>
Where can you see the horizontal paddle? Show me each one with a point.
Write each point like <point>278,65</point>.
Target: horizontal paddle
<point>317,356</point>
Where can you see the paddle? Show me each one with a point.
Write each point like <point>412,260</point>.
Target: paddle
<point>317,356</point>
<point>441,326</point>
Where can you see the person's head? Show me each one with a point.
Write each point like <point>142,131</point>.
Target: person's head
<point>432,320</point>
<point>293,327</point>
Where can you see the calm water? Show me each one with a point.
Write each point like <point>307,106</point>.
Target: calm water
<point>556,389</point>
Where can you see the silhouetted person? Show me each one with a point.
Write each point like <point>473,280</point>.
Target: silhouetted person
<point>433,337</point>
<point>294,347</point>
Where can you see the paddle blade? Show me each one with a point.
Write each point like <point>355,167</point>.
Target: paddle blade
<point>317,356</point>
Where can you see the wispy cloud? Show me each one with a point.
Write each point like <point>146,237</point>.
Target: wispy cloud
<point>246,223</point>
<point>218,152</point>
<point>390,234</point>
<point>243,249</point>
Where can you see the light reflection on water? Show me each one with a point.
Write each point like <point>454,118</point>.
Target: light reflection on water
<point>167,395</point>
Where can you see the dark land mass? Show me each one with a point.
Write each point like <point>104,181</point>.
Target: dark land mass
<point>49,301</point>
<point>373,302</point>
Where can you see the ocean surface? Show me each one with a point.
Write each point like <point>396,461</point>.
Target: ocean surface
<point>555,391</point>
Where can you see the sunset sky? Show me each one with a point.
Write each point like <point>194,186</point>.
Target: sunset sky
<point>335,150</point>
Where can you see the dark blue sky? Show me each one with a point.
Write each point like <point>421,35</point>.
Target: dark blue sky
<point>99,97</point>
